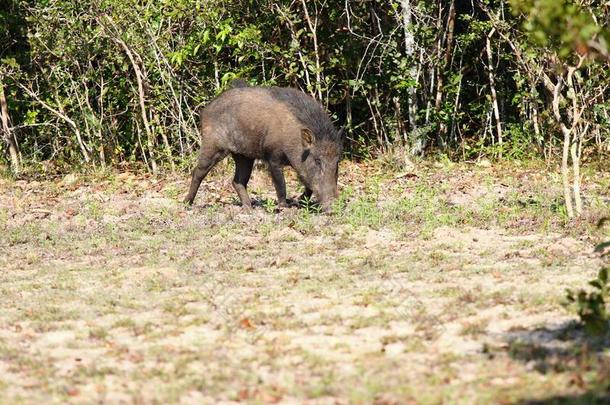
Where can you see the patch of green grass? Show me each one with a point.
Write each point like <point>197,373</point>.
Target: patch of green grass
<point>98,333</point>
<point>175,308</point>
<point>322,386</point>
<point>474,328</point>
<point>437,257</point>
<point>375,255</point>
<point>4,213</point>
<point>127,323</point>
<point>173,191</point>
<point>94,210</point>
<point>94,372</point>
<point>49,314</point>
<point>28,233</point>
<point>304,222</point>
<point>363,211</point>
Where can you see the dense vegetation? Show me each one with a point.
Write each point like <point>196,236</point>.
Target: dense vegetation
<point>435,280</point>
<point>107,81</point>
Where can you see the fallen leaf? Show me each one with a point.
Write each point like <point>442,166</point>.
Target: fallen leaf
<point>243,394</point>
<point>246,324</point>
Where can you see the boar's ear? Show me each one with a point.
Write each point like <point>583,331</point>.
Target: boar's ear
<point>307,138</point>
<point>341,137</point>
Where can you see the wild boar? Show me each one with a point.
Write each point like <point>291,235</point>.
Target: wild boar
<point>282,126</point>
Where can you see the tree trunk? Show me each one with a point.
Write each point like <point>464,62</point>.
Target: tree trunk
<point>140,78</point>
<point>575,151</point>
<point>407,17</point>
<point>567,137</point>
<point>7,134</point>
<point>142,97</point>
<point>577,135</point>
<point>492,85</point>
<point>447,41</point>
<point>313,28</point>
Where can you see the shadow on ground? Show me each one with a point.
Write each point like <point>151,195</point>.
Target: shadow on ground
<point>565,348</point>
<point>588,398</point>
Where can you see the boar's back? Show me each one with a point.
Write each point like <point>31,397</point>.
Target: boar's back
<point>308,111</point>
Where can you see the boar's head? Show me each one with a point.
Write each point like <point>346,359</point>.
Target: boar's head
<point>320,165</point>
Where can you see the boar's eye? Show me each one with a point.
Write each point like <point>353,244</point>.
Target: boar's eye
<point>318,162</point>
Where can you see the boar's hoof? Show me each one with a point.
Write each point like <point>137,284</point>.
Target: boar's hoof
<point>326,208</point>
<point>290,203</point>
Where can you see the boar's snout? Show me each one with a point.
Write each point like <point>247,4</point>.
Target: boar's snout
<point>320,168</point>
<point>327,198</point>
<point>326,206</point>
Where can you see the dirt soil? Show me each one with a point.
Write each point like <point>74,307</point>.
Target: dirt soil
<point>432,286</point>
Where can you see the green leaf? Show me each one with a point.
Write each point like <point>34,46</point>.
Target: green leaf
<point>603,276</point>
<point>602,246</point>
<point>603,221</point>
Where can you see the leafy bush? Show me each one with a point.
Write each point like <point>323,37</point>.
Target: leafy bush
<point>108,82</point>
<point>591,305</point>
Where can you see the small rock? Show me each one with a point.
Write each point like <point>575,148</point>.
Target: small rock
<point>285,234</point>
<point>69,179</point>
<point>394,349</point>
<point>484,163</point>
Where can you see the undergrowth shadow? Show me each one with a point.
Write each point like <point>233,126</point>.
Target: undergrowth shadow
<point>588,398</point>
<point>565,348</point>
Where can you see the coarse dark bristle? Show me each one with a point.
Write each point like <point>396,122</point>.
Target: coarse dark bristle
<point>308,111</point>
<point>238,84</point>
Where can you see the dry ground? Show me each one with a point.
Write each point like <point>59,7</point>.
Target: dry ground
<point>442,284</point>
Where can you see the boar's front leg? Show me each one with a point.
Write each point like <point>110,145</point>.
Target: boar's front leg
<point>306,196</point>
<point>277,175</point>
<point>243,170</point>
<point>208,157</point>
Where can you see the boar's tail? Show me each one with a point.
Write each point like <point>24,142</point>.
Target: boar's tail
<point>238,83</point>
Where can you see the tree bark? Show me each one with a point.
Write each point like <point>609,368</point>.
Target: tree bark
<point>492,85</point>
<point>447,41</point>
<point>7,134</point>
<point>313,28</point>
<point>575,152</point>
<point>577,139</point>
<point>571,141</point>
<point>142,98</point>
<point>150,140</point>
<point>567,136</point>
<point>407,17</point>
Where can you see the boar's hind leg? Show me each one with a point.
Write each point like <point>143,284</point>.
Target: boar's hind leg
<point>207,160</point>
<point>277,175</point>
<point>243,169</point>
